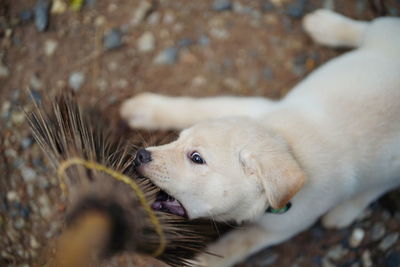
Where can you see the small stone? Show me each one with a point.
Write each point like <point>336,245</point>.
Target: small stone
<point>377,231</point>
<point>388,241</point>
<point>45,209</point>
<point>222,5</point>
<point>18,118</point>
<point>141,12</point>
<point>356,237</point>
<point>267,74</point>
<point>19,223</point>
<point>100,21</point>
<point>4,72</point>
<point>219,33</point>
<point>366,259</point>
<point>26,15</point>
<point>297,9</point>
<point>113,39</point>
<point>58,7</point>
<point>41,10</point>
<point>168,56</point>
<point>266,5</point>
<point>28,174</point>
<point>26,142</point>
<point>146,42</point>
<point>76,80</point>
<point>337,252</point>
<point>34,243</point>
<point>169,17</point>
<point>199,81</point>
<point>327,263</point>
<point>35,82</point>
<point>50,47</point>
<point>393,259</point>
<point>204,40</point>
<point>154,18</point>
<point>12,196</point>
<point>185,42</point>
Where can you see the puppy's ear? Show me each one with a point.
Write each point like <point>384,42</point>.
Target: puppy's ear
<point>278,172</point>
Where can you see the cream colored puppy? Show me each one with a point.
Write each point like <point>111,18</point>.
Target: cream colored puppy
<point>331,146</point>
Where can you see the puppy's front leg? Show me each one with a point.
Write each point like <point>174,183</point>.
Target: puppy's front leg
<point>238,245</point>
<point>152,111</point>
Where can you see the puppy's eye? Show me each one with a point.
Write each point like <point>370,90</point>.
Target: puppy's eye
<point>196,158</point>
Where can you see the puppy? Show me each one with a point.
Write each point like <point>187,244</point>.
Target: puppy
<point>331,146</point>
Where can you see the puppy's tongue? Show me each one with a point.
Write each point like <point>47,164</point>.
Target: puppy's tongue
<point>173,207</point>
<point>167,203</point>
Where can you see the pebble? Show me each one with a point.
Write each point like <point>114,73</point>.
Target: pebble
<point>185,42</point>
<point>297,9</point>
<point>356,237</point>
<point>34,243</point>
<point>28,174</point>
<point>169,17</point>
<point>154,18</point>
<point>19,223</point>
<point>337,252</point>
<point>26,142</point>
<point>146,42</point>
<point>141,12</point>
<point>76,80</point>
<point>203,40</point>
<point>58,7</point>
<point>168,56</point>
<point>393,259</point>
<point>41,10</point>
<point>388,241</point>
<point>35,83</point>
<point>366,259</point>
<point>222,5</point>
<point>327,263</point>
<point>199,81</point>
<point>113,39</point>
<point>26,15</point>
<point>219,33</point>
<point>50,47</point>
<point>45,209</point>
<point>18,118</point>
<point>12,196</point>
<point>377,231</point>
<point>4,71</point>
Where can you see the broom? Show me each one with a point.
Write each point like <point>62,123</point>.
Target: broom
<point>108,205</point>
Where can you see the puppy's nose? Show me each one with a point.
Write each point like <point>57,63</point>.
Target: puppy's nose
<point>142,156</point>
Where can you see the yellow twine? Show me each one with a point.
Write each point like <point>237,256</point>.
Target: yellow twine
<point>120,177</point>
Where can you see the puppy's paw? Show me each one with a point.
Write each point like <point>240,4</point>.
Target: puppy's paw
<point>207,260</point>
<point>340,217</point>
<point>141,111</point>
<point>325,27</point>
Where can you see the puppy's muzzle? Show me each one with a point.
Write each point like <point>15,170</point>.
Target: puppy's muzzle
<point>142,157</point>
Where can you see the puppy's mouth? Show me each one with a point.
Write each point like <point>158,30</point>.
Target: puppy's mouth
<point>167,203</point>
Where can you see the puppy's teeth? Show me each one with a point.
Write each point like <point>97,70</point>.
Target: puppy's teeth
<point>156,205</point>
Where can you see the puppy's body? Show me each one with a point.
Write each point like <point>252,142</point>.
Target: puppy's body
<point>332,145</point>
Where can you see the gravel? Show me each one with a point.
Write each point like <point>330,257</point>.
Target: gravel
<point>297,9</point>
<point>50,47</point>
<point>76,80</point>
<point>356,237</point>
<point>377,231</point>
<point>146,42</point>
<point>388,241</point>
<point>26,15</point>
<point>41,11</point>
<point>222,5</point>
<point>168,56</point>
<point>113,39</point>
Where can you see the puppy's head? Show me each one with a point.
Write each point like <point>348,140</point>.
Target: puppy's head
<point>227,169</point>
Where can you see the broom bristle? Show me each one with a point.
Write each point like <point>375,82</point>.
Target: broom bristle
<point>64,132</point>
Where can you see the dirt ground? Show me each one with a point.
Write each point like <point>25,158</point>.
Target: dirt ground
<point>110,50</point>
